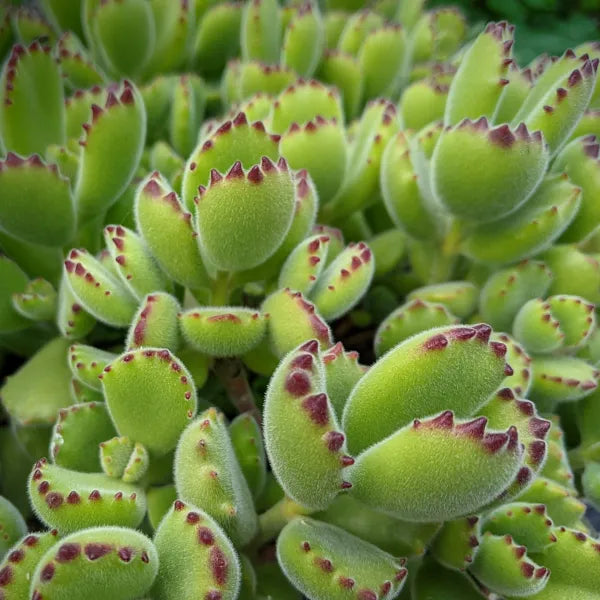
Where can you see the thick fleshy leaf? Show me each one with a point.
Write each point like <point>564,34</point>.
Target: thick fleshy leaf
<point>28,124</point>
<point>223,331</point>
<point>504,566</point>
<point>471,94</point>
<point>13,528</point>
<point>37,302</point>
<point>151,397</point>
<point>37,205</point>
<point>574,272</point>
<point>326,563</point>
<point>573,561</point>
<point>69,500</point>
<point>264,195</point>
<point>187,110</point>
<point>246,438</point>
<point>528,524</point>
<point>302,102</point>
<point>20,563</point>
<point>507,290</point>
<point>73,321</point>
<point>303,40</point>
<point>454,468</point>
<point>235,140</point>
<point>217,38</point>
<point>457,542</point>
<point>344,282</point>
<point>459,297</point>
<point>34,394</point>
<point>408,320</point>
<point>155,323</point>
<point>208,475</point>
<point>528,230</point>
<point>134,263</point>
<point>342,372</point>
<point>124,34</point>
<point>98,290</point>
<point>454,368</point>
<point>260,32</point>
<point>579,160</point>
<point>101,560</point>
<point>161,218</point>
<point>189,536</point>
<point>504,166</point>
<point>293,320</point>
<point>320,147</point>
<point>12,281</point>
<point>113,143</point>
<point>76,435</point>
<point>299,420</point>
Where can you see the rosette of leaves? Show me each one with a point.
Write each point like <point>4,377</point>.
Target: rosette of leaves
<point>192,331</point>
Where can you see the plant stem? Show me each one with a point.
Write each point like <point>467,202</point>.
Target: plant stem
<point>232,375</point>
<point>276,518</point>
<point>220,290</point>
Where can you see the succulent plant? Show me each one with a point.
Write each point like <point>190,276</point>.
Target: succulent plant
<point>297,300</point>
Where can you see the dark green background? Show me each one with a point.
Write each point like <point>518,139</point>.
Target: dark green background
<point>549,26</point>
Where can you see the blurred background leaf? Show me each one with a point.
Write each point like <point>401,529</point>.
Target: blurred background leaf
<point>549,26</point>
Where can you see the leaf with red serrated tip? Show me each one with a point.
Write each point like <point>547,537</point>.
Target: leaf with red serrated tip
<point>160,219</point>
<point>528,524</point>
<point>113,145</point>
<point>223,331</point>
<point>453,470</point>
<point>37,205</point>
<point>151,397</point>
<point>76,435</point>
<point>208,475</point>
<point>155,323</point>
<point>135,265</point>
<point>317,559</point>
<point>298,416</point>
<point>471,94</point>
<point>503,168</point>
<point>216,574</point>
<point>98,290</point>
<point>342,285</point>
<point>456,544</point>
<point>302,102</point>
<point>322,150</point>
<point>106,560</point>
<point>29,550</point>
<point>293,320</point>
<point>27,124</point>
<point>561,379</point>
<point>69,500</point>
<point>242,221</point>
<point>445,368</point>
<point>502,566</point>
